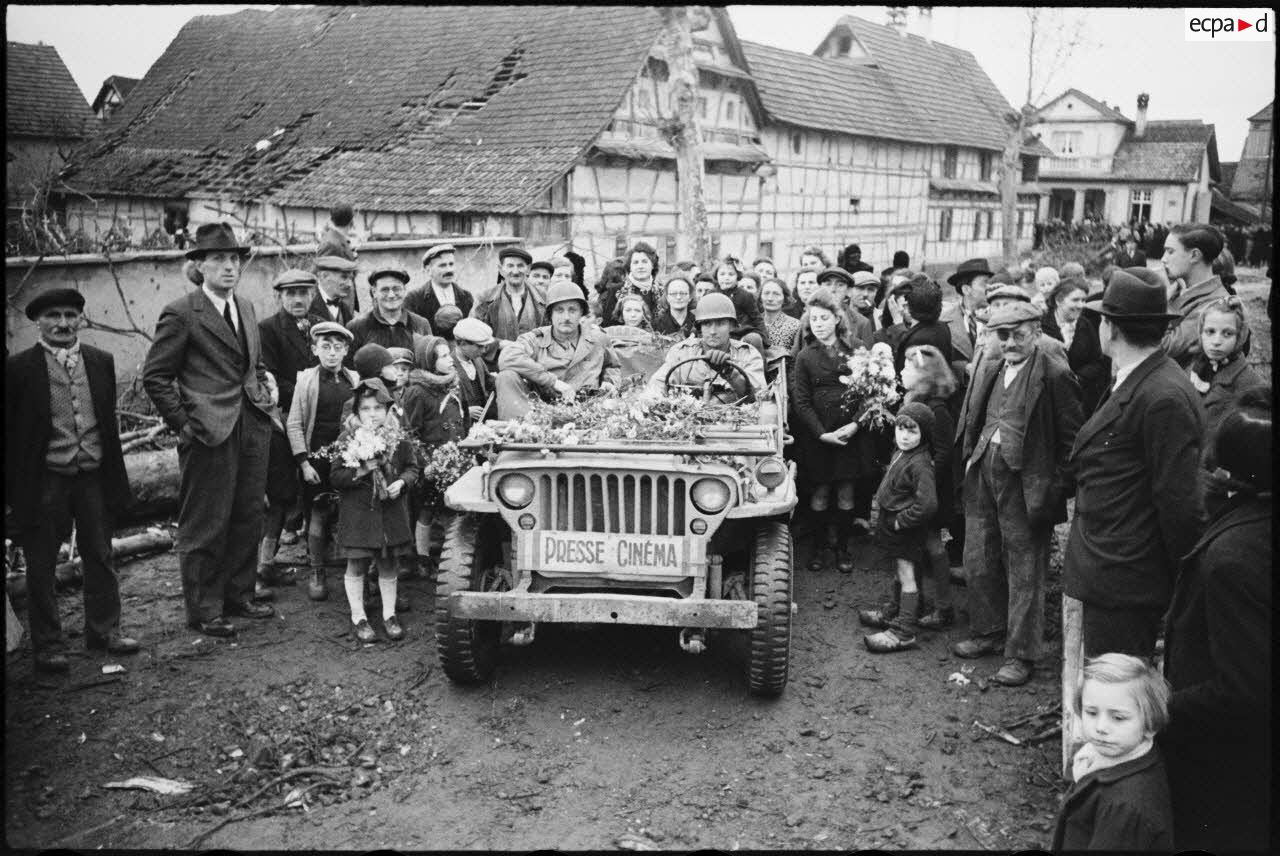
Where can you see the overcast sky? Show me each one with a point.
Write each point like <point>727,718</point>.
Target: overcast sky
<point>1124,52</point>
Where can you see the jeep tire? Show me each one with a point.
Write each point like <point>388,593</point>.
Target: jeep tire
<point>468,649</point>
<point>769,650</point>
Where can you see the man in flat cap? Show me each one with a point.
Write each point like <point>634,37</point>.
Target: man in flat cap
<point>540,273</point>
<point>1016,426</point>
<point>63,462</point>
<point>286,351</point>
<point>511,309</point>
<point>556,361</point>
<point>387,323</point>
<point>335,298</point>
<point>1139,497</point>
<point>442,287</point>
<point>204,373</point>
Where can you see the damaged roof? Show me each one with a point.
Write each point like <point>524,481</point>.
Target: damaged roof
<point>41,98</point>
<point>372,106</point>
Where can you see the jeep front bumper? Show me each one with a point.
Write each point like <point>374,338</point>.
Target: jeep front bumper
<point>604,609</point>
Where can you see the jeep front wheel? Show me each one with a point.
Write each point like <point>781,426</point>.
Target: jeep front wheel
<point>468,649</point>
<point>769,653</point>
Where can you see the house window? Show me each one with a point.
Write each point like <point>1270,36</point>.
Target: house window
<point>797,143</point>
<point>1030,169</point>
<point>457,224</point>
<point>991,224</point>
<point>1139,204</point>
<point>766,249</point>
<point>702,108</point>
<point>984,165</point>
<point>671,247</point>
<point>620,244</point>
<point>728,110</point>
<point>1022,218</point>
<point>944,224</point>
<point>1067,143</point>
<point>949,158</point>
<point>715,245</point>
<point>977,224</point>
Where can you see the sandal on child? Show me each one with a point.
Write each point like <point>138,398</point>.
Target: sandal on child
<point>889,640</point>
<point>364,632</point>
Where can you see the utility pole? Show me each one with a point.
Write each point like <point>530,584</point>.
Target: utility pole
<point>693,239</point>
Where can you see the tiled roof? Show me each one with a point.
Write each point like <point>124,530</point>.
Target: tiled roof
<point>908,89</point>
<point>393,108</point>
<point>1250,180</point>
<point>1263,115</point>
<point>41,98</point>
<point>1110,114</point>
<point>1167,151</point>
<point>1035,146</point>
<point>1224,207</point>
<point>655,149</point>
<point>122,85</point>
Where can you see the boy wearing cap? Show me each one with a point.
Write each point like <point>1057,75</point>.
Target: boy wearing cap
<point>286,351</point>
<point>510,308</point>
<point>63,462</point>
<point>315,420</point>
<point>442,288</point>
<point>204,373</point>
<point>471,338</point>
<point>388,323</point>
<point>1017,424</point>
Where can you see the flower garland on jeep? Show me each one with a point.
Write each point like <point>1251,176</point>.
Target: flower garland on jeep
<point>641,416</point>
<point>873,386</point>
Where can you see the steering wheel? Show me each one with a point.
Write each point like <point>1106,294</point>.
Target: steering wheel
<point>706,387</point>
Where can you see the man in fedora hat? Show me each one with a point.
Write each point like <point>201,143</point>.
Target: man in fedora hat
<point>1017,423</point>
<point>966,318</point>
<point>205,375</point>
<point>387,323</point>
<point>286,351</point>
<point>63,462</point>
<point>1136,462</point>
<point>510,308</point>
<point>442,287</point>
<point>336,298</point>
<point>556,361</point>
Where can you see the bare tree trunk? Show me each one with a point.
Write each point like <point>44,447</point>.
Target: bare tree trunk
<point>693,240</point>
<point>1009,175</point>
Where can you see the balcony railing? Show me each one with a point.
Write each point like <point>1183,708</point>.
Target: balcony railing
<point>1076,166</point>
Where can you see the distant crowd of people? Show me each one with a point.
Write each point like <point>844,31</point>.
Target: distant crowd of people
<point>1132,395</point>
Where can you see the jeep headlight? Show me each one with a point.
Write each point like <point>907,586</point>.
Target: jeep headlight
<point>771,472</point>
<point>515,490</point>
<point>709,496</point>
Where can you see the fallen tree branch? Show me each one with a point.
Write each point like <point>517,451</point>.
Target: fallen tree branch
<point>190,845</point>
<point>998,732</point>
<point>292,774</point>
<point>147,437</point>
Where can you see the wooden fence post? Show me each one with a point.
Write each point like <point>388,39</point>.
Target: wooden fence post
<point>1072,665</point>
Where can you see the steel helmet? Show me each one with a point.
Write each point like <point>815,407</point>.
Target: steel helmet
<point>562,291</point>
<point>713,306</point>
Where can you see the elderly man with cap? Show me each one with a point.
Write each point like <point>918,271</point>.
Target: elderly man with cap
<point>1001,291</point>
<point>286,351</point>
<point>1139,496</point>
<point>442,287</point>
<point>558,360</point>
<point>387,323</point>
<point>336,298</point>
<point>510,309</point>
<point>966,317</point>
<point>204,373</point>
<point>63,462</point>
<point>713,356</point>
<point>1016,428</point>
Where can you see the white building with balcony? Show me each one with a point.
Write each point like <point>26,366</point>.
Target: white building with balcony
<point>1113,169</point>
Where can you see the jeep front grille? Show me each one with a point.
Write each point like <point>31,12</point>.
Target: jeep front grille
<point>600,502</point>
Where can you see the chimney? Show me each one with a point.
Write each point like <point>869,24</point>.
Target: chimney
<point>1141,122</point>
<point>897,18</point>
<point>924,22</point>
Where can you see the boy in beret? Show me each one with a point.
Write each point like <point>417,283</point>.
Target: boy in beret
<point>62,463</point>
<point>315,420</point>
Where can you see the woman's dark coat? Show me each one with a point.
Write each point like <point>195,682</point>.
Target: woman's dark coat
<point>1085,358</point>
<point>1218,661</point>
<point>819,407</point>
<point>365,521</point>
<point>666,325</point>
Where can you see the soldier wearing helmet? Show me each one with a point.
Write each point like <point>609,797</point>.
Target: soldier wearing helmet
<point>716,317</point>
<point>558,360</point>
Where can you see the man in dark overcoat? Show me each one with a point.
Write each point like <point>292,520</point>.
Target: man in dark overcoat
<point>1139,500</point>
<point>1019,418</point>
<point>63,462</point>
<point>442,287</point>
<point>335,298</point>
<point>204,373</point>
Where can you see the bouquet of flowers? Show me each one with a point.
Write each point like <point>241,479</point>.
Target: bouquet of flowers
<point>873,386</point>
<point>367,450</point>
<point>445,465</point>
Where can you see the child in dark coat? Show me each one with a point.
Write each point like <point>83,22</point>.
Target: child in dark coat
<point>908,501</point>
<point>1119,797</point>
<point>1220,371</point>
<point>373,516</point>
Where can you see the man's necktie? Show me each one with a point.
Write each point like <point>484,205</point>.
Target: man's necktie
<point>973,330</point>
<point>226,314</point>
